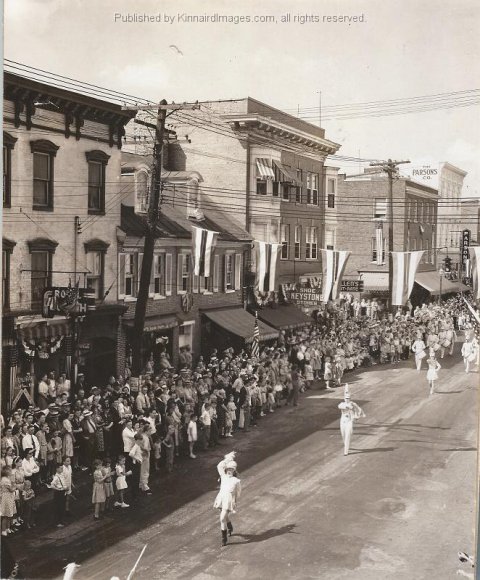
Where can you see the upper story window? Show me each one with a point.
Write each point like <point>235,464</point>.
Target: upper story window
<point>299,187</point>
<point>285,241</point>
<point>298,238</point>
<point>44,153</point>
<point>184,274</point>
<point>8,145</point>
<point>95,258</point>
<point>97,163</point>
<point>331,191</point>
<point>380,208</point>
<point>157,279</point>
<point>265,176</point>
<point>7,249</point>
<point>312,188</point>
<point>41,252</point>
<point>311,243</point>
<point>229,272</point>
<point>129,269</point>
<point>142,192</point>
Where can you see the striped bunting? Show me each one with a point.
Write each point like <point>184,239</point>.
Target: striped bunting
<point>475,270</point>
<point>333,267</point>
<point>266,266</point>
<point>405,266</point>
<point>379,242</point>
<point>256,338</point>
<point>203,242</point>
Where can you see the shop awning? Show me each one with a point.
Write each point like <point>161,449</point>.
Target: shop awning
<point>287,173</point>
<point>431,282</point>
<point>264,169</point>
<point>155,323</point>
<point>374,281</point>
<point>284,317</point>
<point>239,322</point>
<point>36,328</point>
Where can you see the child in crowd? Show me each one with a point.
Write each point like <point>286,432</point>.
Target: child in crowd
<point>270,400</point>
<point>51,459</point>
<point>309,376</point>
<point>28,496</point>
<point>98,494</point>
<point>107,482</point>
<point>121,482</point>
<point>169,443</point>
<point>328,372</point>
<point>7,501</point>
<point>67,476</point>
<point>157,451</point>
<point>59,487</point>
<point>230,416</point>
<point>58,447</point>
<point>192,434</point>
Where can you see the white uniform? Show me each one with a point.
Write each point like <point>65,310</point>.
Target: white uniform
<point>346,424</point>
<point>230,489</point>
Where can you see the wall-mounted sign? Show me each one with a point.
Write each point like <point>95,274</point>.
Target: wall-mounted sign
<point>67,301</point>
<point>426,172</point>
<point>464,244</point>
<point>352,286</point>
<point>302,294</point>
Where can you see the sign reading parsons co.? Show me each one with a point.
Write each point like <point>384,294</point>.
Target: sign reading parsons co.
<point>464,244</point>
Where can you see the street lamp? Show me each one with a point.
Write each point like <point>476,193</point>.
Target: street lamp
<point>441,273</point>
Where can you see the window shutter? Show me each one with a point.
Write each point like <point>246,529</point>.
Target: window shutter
<point>238,271</point>
<point>216,272</point>
<point>151,288</point>
<point>121,276</point>
<point>168,275</point>
<point>138,272</point>
<point>180,258</point>
<point>196,283</point>
<point>225,272</point>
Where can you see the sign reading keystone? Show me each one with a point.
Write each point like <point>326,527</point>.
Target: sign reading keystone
<point>302,295</point>
<point>352,286</point>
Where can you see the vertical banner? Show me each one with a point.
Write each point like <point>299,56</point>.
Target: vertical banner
<point>333,267</point>
<point>464,245</point>
<point>203,246</point>
<point>266,266</point>
<point>475,270</point>
<point>379,242</point>
<point>405,266</point>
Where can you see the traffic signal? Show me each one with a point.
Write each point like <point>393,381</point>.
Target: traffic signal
<point>447,264</point>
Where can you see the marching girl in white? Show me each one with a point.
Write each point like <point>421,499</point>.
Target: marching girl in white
<point>350,412</point>
<point>229,494</point>
<point>432,373</point>
<point>418,348</point>
<point>469,351</point>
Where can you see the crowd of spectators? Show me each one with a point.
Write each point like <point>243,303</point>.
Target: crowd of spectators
<point>118,435</point>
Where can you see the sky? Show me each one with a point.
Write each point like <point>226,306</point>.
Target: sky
<point>394,50</point>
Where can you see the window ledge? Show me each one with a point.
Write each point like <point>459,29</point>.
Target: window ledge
<point>181,292</point>
<point>207,293</point>
<point>130,299</point>
<point>157,296</point>
<point>96,211</point>
<point>229,291</point>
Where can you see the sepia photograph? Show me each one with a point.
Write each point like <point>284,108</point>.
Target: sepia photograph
<point>240,290</point>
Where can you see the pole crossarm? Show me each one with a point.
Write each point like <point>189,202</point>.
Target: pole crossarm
<point>166,107</point>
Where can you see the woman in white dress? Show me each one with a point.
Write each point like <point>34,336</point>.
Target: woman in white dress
<point>432,373</point>
<point>469,352</point>
<point>418,348</point>
<point>350,412</point>
<point>229,494</point>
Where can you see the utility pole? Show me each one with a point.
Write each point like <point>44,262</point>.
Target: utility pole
<point>150,228</point>
<point>391,169</point>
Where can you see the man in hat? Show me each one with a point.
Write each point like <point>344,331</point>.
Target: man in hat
<point>89,429</point>
<point>350,412</point>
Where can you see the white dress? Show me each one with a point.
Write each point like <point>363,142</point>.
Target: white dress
<point>432,373</point>
<point>419,349</point>
<point>230,489</point>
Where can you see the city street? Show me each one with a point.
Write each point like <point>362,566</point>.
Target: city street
<point>401,505</point>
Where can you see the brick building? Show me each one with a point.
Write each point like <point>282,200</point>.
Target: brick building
<point>266,168</point>
<point>61,153</point>
<point>182,309</point>
<point>362,206</point>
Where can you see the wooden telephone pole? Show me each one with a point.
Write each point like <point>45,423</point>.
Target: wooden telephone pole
<point>150,228</point>
<point>391,169</point>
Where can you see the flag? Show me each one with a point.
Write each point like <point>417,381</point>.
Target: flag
<point>474,313</point>
<point>475,270</point>
<point>379,242</point>
<point>333,267</point>
<point>405,266</point>
<point>203,242</point>
<point>256,338</point>
<point>266,266</point>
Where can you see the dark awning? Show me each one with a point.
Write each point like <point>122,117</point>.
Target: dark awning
<point>155,323</point>
<point>431,282</point>
<point>239,322</point>
<point>284,317</point>
<point>288,175</point>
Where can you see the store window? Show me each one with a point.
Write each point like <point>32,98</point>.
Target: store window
<point>185,334</point>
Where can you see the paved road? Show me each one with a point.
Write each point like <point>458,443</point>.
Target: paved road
<point>399,506</point>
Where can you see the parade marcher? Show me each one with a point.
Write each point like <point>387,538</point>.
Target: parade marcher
<point>229,494</point>
<point>432,373</point>
<point>418,348</point>
<point>350,412</point>
<point>469,352</point>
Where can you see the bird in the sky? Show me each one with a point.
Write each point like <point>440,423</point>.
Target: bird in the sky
<point>174,47</point>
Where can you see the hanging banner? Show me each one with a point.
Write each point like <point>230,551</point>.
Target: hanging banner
<point>405,266</point>
<point>67,301</point>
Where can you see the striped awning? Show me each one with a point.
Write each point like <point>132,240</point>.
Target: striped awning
<point>287,173</point>
<point>264,169</point>
<point>44,328</point>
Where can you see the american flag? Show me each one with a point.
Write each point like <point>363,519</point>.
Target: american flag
<point>256,338</point>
